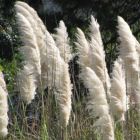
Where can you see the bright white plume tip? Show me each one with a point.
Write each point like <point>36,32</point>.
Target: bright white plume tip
<point>62,41</point>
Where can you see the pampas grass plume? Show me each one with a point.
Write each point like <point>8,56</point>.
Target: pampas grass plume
<point>97,103</point>
<point>3,107</point>
<point>38,27</point>
<point>62,41</point>
<point>58,77</point>
<point>127,46</point>
<point>118,102</point>
<point>31,71</point>
<point>129,54</point>
<point>98,55</point>
<point>83,48</point>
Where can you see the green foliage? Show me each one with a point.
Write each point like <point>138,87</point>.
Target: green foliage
<point>9,38</point>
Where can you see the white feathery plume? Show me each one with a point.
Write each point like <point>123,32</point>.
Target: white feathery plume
<point>22,10</point>
<point>118,103</point>
<point>98,63</point>
<point>127,46</point>
<point>95,33</point>
<point>3,107</point>
<point>49,75</point>
<point>83,48</point>
<point>37,25</point>
<point>62,41</point>
<point>64,92</point>
<point>34,14</point>
<point>58,77</point>
<point>65,87</point>
<point>97,55</point>
<point>29,75</point>
<point>2,82</point>
<point>97,103</point>
<point>31,10</point>
<point>27,83</point>
<point>40,32</point>
<point>129,55</point>
<point>92,54</point>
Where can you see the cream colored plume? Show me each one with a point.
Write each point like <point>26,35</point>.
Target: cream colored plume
<point>62,41</point>
<point>129,55</point>
<point>3,107</point>
<point>97,55</point>
<point>127,46</point>
<point>83,48</point>
<point>58,78</point>
<point>38,27</point>
<point>30,74</point>
<point>95,33</point>
<point>118,103</point>
<point>40,32</point>
<point>64,93</point>
<point>49,76</point>
<point>33,13</point>
<point>97,103</point>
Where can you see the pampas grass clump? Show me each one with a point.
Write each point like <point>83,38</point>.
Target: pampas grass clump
<point>97,104</point>
<point>42,58</point>
<point>28,76</point>
<point>3,107</point>
<point>91,53</point>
